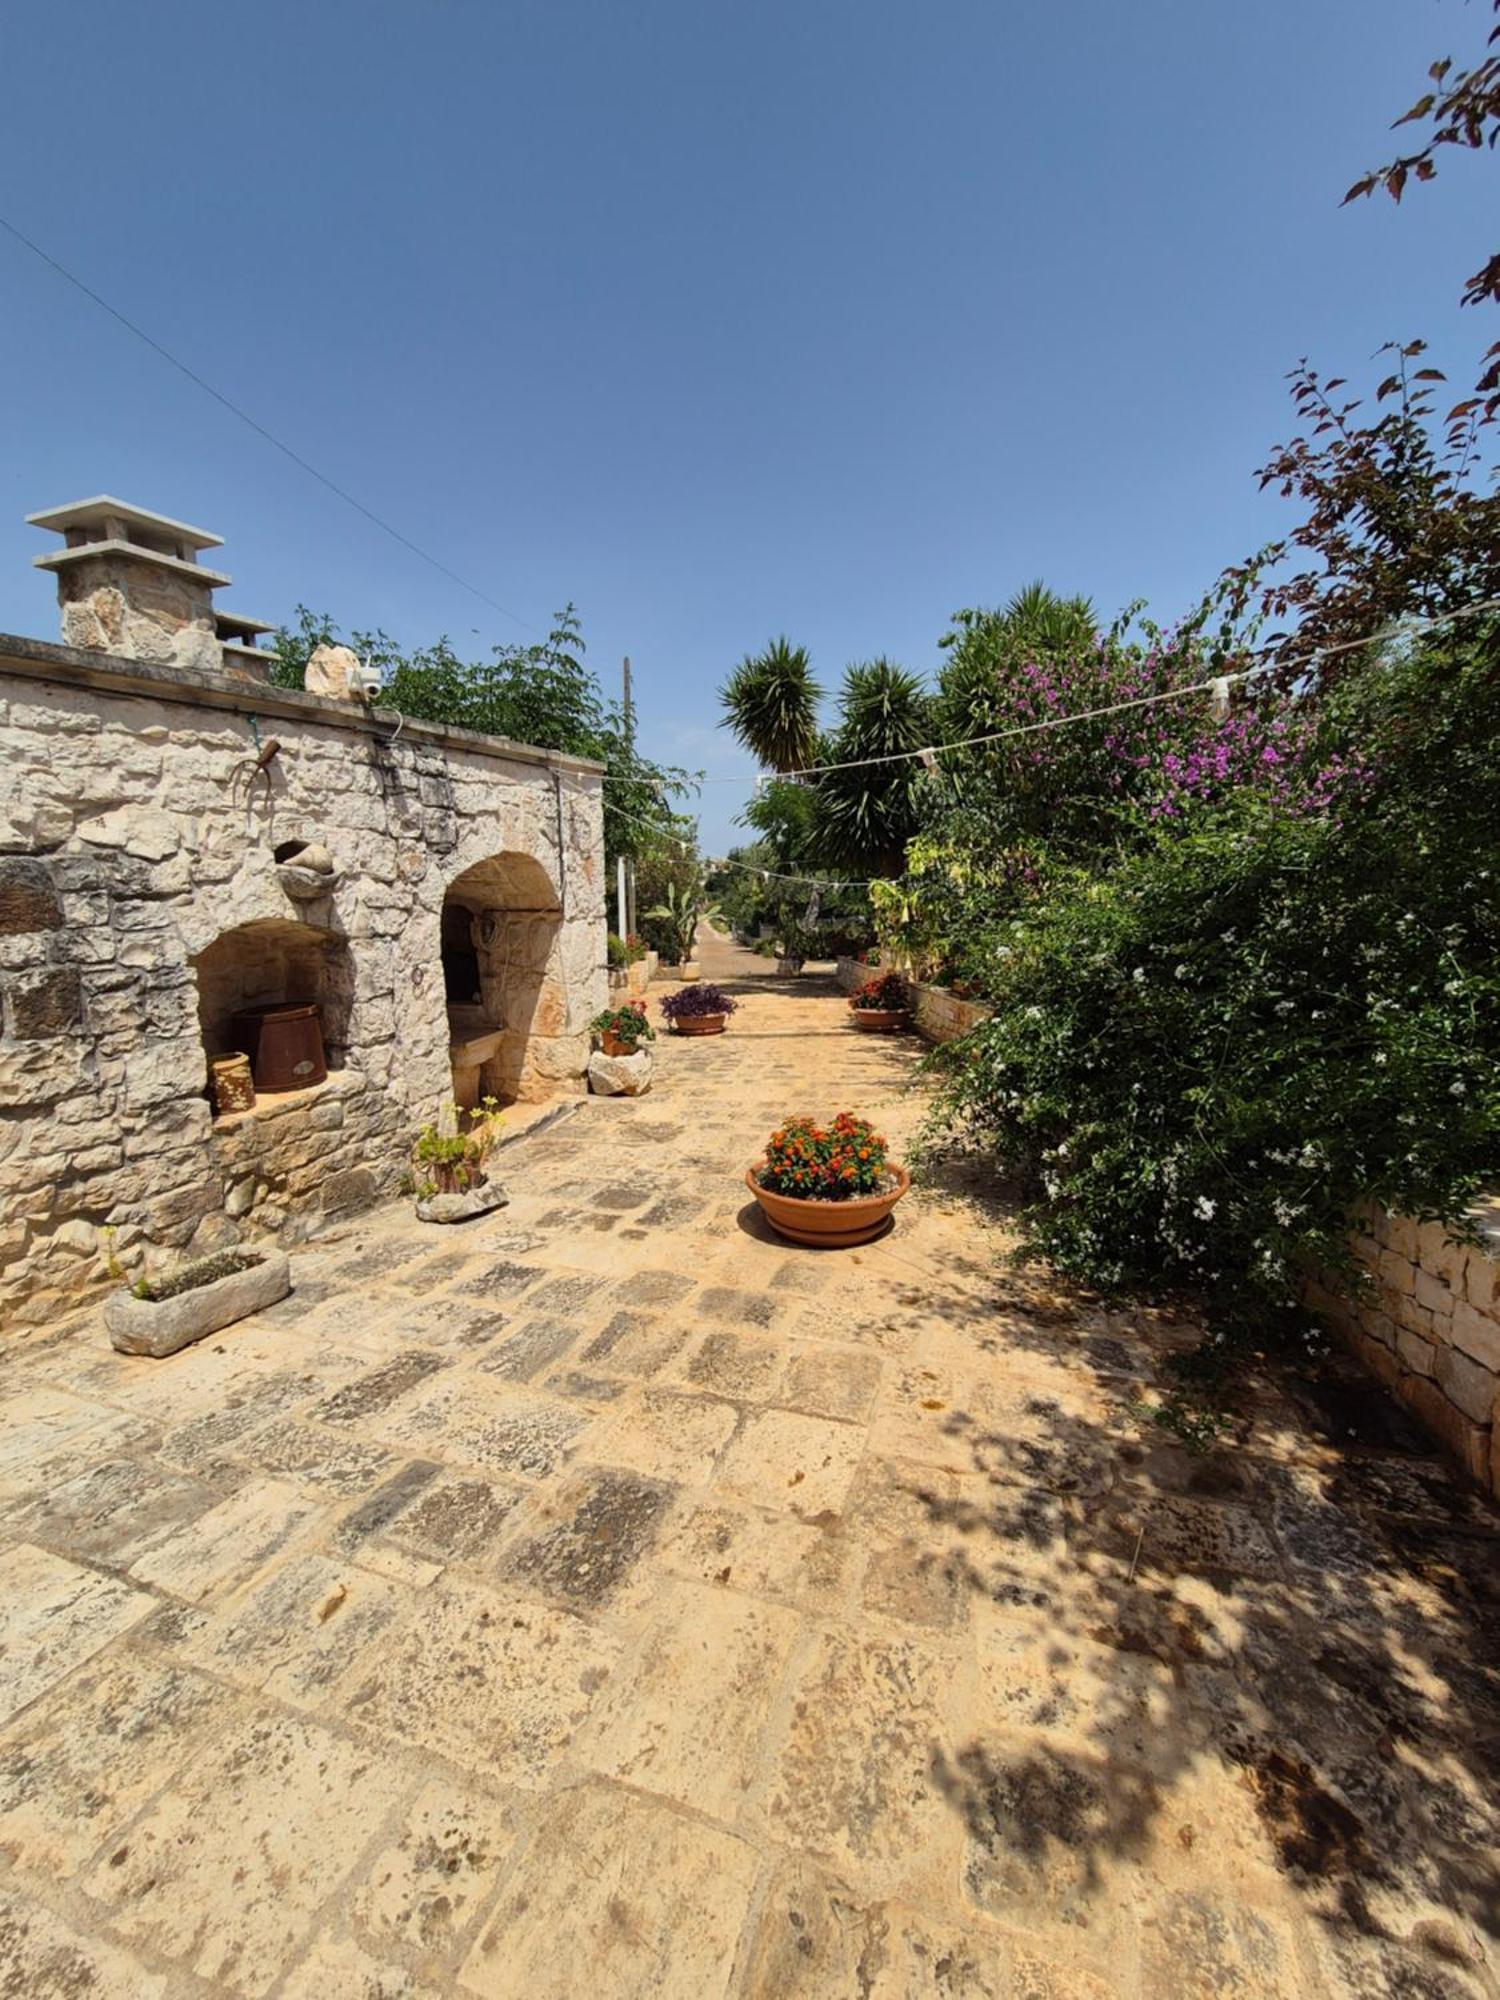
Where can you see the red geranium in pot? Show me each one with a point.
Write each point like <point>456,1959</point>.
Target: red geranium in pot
<point>879,1006</point>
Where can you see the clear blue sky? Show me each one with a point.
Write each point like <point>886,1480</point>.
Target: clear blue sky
<point>816,316</point>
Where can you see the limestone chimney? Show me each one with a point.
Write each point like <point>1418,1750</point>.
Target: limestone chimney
<point>130,583</point>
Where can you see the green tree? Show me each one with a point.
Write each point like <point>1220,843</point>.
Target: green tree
<point>866,813</point>
<point>770,703</point>
<point>543,694</point>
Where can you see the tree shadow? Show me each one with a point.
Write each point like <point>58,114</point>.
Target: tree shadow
<point>1304,1616</point>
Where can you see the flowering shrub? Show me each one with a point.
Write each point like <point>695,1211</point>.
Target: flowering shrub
<point>847,1158</point>
<point>886,995</point>
<point>627,1023</point>
<point>1204,1055</point>
<point>700,998</point>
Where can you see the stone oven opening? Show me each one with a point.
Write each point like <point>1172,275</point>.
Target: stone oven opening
<point>504,988</point>
<point>274,962</point>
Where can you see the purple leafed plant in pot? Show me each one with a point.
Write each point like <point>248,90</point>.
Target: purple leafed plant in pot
<point>701,1009</point>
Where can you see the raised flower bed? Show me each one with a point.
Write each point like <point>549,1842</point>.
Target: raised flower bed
<point>831,1188</point>
<point>700,1009</point>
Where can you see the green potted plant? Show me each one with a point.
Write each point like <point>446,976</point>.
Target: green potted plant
<point>448,1175</point>
<point>701,1009</point>
<point>831,1188</point>
<point>680,911</point>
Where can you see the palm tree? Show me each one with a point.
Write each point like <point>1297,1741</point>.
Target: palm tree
<point>770,701</point>
<point>866,815</point>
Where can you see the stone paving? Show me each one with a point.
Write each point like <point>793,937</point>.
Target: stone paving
<point>605,1598</point>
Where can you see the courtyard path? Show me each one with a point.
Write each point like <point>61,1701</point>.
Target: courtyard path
<point>606,1599</point>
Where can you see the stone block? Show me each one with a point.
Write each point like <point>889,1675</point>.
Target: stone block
<point>1464,1440</point>
<point>353,1187</point>
<point>28,897</point>
<point>1432,1292</point>
<point>1482,1281</point>
<point>1467,1384</point>
<point>621,1076</point>
<point>1416,1354</point>
<point>1396,1271</point>
<point>1476,1334</point>
<point>1380,1360</point>
<point>1402,1237</point>
<point>41,1004</point>
<point>1379,1326</point>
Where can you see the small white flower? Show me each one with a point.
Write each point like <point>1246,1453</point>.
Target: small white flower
<point>1206,1208</point>
<point>1139,975</point>
<point>1457,1087</point>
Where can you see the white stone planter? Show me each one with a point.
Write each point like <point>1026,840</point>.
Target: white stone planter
<point>621,1076</point>
<point>459,1207</point>
<point>159,1327</point>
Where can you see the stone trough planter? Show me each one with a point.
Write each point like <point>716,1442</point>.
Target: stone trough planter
<point>159,1327</point>
<point>461,1207</point>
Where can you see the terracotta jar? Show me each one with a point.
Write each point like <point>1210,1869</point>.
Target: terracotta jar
<point>230,1084</point>
<point>830,1225</point>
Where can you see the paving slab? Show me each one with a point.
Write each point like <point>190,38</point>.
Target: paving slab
<point>608,1598</point>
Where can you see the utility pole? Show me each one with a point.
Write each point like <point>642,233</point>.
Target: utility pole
<point>627,883</point>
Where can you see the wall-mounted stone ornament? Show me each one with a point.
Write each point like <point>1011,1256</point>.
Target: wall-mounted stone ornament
<point>306,870</point>
<point>336,673</point>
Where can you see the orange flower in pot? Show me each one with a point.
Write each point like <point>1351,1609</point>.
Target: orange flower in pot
<point>829,1187</point>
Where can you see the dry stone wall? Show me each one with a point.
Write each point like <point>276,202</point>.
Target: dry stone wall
<point>1427,1323</point>
<point>135,832</point>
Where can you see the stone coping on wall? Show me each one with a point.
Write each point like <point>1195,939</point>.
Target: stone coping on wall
<point>274,1103</point>
<point>40,660</point>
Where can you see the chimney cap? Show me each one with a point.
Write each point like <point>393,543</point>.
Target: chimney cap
<point>234,625</point>
<point>104,507</point>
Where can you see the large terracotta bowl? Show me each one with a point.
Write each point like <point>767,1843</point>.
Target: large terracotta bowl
<point>829,1225</point>
<point>879,1020</point>
<point>700,1024</point>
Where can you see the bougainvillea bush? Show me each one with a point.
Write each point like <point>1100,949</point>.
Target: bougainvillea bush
<point>1276,1005</point>
<point>702,997</point>
<point>817,1163</point>
<point>885,995</point>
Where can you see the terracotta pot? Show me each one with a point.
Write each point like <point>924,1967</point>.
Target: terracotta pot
<point>829,1225</point>
<point>611,1045</point>
<point>878,1020</point>
<point>700,1024</point>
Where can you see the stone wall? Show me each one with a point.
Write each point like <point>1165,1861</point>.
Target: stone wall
<point>942,1016</point>
<point>136,836</point>
<point>1428,1325</point>
<point>939,1013</point>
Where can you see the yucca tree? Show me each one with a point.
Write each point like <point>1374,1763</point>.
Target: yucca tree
<point>865,816</point>
<point>770,702</point>
<point>1039,617</point>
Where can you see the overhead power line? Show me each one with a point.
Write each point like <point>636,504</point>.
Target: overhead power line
<point>260,429</point>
